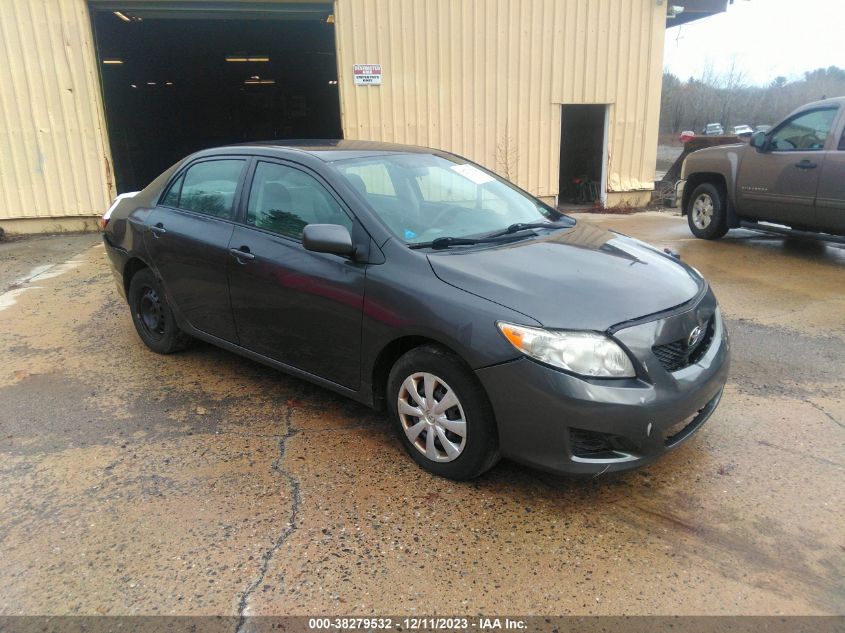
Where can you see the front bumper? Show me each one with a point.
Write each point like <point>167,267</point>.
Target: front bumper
<point>562,423</point>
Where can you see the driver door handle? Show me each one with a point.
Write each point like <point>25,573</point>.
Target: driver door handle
<point>806,164</point>
<point>242,254</point>
<point>158,230</point>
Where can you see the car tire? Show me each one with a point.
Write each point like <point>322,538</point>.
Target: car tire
<point>707,212</point>
<point>433,438</point>
<point>152,316</point>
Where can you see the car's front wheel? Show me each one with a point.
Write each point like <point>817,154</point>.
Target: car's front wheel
<point>152,316</point>
<point>707,212</point>
<point>441,414</point>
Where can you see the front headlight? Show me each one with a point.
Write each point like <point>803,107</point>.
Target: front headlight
<point>585,353</point>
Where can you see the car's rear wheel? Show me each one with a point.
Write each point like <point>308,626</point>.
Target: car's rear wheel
<point>707,212</point>
<point>441,414</point>
<point>152,317</point>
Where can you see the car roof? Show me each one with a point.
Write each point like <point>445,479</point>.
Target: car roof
<point>330,150</point>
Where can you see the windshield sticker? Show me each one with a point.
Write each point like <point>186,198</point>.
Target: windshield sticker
<point>472,173</point>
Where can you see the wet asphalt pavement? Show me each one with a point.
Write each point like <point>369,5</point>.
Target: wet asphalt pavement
<point>203,483</point>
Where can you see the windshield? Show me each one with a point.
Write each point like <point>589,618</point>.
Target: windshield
<point>422,197</point>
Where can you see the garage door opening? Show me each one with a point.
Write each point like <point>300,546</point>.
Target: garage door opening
<point>178,81</point>
<point>583,155</point>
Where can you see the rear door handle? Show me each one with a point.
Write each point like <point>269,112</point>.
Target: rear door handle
<point>158,229</point>
<point>242,254</point>
<point>806,164</point>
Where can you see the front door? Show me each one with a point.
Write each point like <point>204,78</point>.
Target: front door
<point>188,236</point>
<point>300,308</point>
<point>780,183</point>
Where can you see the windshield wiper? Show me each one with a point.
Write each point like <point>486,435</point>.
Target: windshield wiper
<point>445,242</point>
<point>507,234</point>
<point>521,226</point>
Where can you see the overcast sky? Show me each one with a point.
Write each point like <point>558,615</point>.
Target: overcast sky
<point>767,37</point>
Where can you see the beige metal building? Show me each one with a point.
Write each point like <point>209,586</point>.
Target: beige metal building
<point>99,96</point>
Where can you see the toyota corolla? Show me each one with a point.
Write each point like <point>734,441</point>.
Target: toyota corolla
<point>484,322</point>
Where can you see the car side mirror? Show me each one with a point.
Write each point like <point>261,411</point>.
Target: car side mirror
<point>328,238</point>
<point>758,140</point>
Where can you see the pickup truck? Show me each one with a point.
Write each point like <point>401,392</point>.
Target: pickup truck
<point>793,175</point>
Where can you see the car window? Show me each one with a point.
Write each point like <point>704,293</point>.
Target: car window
<point>438,183</point>
<point>805,132</point>
<point>374,178</point>
<point>438,196</point>
<point>172,197</point>
<point>208,188</point>
<point>841,146</point>
<point>286,200</point>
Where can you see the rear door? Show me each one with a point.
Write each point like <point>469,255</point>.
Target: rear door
<point>297,307</point>
<point>830,201</point>
<point>780,183</point>
<point>188,240</point>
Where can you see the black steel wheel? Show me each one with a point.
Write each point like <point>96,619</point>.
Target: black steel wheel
<point>152,317</point>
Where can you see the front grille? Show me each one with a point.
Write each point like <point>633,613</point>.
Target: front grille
<point>676,355</point>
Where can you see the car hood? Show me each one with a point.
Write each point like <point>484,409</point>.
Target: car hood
<point>584,278</point>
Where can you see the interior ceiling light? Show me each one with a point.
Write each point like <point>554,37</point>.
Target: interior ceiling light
<point>244,58</point>
<point>330,18</point>
<point>260,82</point>
<point>133,85</point>
<point>112,61</point>
<point>151,83</point>
<point>123,16</point>
<point>332,82</point>
<point>168,83</point>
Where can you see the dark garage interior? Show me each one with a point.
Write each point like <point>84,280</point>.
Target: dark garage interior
<point>177,82</point>
<point>582,141</point>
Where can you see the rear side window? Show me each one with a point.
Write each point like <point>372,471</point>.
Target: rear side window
<point>285,200</point>
<point>172,197</point>
<point>208,188</point>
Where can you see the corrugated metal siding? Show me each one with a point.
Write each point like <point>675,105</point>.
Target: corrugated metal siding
<point>486,78</point>
<point>483,78</point>
<point>54,158</point>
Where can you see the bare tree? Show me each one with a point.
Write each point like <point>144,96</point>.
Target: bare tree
<point>730,100</point>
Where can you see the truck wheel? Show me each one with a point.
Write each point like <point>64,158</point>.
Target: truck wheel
<point>707,212</point>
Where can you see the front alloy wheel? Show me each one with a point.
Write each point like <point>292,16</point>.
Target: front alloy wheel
<point>432,417</point>
<point>706,211</point>
<point>702,211</point>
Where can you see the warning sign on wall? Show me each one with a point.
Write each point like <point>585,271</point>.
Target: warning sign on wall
<point>367,74</point>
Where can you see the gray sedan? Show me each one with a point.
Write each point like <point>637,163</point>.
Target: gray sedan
<point>484,322</point>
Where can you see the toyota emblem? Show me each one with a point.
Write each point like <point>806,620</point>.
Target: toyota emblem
<point>694,337</point>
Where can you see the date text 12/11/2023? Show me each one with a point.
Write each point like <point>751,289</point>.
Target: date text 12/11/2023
<point>416,624</point>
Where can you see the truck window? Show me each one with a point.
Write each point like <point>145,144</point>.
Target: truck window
<point>805,132</point>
